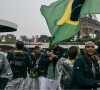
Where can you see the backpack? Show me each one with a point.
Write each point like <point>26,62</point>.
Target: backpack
<point>17,64</point>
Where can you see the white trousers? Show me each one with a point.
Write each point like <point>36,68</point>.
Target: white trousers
<point>51,84</point>
<point>17,84</point>
<point>42,83</point>
<point>33,84</point>
<point>37,83</point>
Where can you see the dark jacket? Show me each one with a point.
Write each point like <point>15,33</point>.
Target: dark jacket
<point>44,63</point>
<point>83,77</point>
<point>42,68</point>
<point>17,56</point>
<point>39,63</point>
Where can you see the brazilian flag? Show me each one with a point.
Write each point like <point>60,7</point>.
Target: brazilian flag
<point>63,17</point>
<point>34,74</point>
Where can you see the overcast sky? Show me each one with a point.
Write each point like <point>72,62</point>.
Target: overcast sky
<point>25,13</point>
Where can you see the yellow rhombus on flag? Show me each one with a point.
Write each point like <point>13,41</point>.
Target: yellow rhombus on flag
<point>61,17</point>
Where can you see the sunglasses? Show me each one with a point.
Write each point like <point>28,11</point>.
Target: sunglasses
<point>89,46</point>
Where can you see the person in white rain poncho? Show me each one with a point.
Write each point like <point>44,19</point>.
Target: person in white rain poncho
<point>5,71</point>
<point>64,69</point>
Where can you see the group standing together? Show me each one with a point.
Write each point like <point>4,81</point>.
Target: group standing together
<point>51,69</point>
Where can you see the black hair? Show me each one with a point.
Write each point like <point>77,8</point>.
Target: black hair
<point>36,47</point>
<point>19,45</point>
<point>72,52</point>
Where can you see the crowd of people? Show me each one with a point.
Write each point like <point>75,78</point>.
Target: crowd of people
<point>50,69</point>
